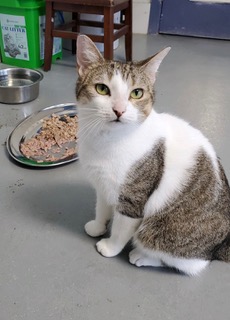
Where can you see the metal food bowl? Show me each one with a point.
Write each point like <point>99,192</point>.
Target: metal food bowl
<point>19,85</point>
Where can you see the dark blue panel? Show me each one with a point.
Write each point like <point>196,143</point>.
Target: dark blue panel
<point>184,17</point>
<point>154,18</point>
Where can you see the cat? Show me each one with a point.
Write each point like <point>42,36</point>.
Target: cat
<point>10,46</point>
<point>157,178</point>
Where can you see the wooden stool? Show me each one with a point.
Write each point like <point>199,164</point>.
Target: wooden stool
<point>106,8</point>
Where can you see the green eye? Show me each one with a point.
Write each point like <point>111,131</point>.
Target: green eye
<point>137,93</point>
<point>102,89</point>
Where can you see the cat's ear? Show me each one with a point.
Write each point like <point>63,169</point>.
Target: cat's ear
<point>87,54</point>
<point>151,65</point>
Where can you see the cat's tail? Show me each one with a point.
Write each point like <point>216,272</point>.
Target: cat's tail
<point>223,251</point>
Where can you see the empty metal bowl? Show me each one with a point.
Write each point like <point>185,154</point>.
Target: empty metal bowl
<point>19,85</point>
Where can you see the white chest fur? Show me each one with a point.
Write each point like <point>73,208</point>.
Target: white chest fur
<point>108,156</point>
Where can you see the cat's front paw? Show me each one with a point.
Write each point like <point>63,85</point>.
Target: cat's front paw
<point>107,248</point>
<point>95,229</point>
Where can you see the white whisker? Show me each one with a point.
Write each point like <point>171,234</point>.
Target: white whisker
<point>89,128</point>
<point>86,125</point>
<point>88,109</point>
<point>89,131</point>
<point>87,117</point>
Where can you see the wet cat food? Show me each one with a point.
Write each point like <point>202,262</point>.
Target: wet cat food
<point>56,140</point>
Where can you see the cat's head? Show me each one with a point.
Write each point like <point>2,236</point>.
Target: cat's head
<point>111,92</point>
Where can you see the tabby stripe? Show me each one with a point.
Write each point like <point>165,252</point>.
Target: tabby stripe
<point>141,181</point>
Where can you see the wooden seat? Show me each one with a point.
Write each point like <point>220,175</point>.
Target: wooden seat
<point>111,31</point>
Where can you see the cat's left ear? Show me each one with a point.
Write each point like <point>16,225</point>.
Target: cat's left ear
<point>152,64</point>
<point>87,54</point>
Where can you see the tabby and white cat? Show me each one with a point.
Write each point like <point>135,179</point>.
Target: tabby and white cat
<point>155,176</point>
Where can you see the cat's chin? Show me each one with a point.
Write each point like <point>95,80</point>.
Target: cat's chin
<point>119,128</point>
<point>119,123</point>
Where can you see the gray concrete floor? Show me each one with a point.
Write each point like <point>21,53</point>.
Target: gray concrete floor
<point>49,268</point>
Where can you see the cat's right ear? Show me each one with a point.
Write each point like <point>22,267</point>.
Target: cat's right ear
<point>87,54</point>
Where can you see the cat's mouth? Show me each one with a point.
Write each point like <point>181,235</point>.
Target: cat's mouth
<point>116,120</point>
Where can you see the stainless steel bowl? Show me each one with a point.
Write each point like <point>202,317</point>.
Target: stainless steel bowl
<point>18,85</point>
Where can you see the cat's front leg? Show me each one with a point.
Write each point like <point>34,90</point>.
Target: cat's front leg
<point>123,229</point>
<point>98,227</point>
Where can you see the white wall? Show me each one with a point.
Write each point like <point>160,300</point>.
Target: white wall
<point>141,10</point>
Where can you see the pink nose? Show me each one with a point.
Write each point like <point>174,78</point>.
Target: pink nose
<point>118,113</point>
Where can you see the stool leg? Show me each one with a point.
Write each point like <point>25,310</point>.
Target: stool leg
<point>48,36</point>
<point>108,32</point>
<point>129,35</point>
<point>76,28</point>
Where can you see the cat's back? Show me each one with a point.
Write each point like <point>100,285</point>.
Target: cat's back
<point>188,156</point>
<point>185,140</point>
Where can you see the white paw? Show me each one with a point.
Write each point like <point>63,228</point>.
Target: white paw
<point>107,248</point>
<point>95,229</point>
<point>137,258</point>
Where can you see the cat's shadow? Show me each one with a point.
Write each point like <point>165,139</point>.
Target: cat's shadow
<point>66,206</point>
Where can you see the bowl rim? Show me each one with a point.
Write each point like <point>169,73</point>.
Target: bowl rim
<point>41,76</point>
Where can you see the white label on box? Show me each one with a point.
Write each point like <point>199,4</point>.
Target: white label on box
<point>14,36</point>
<point>57,43</point>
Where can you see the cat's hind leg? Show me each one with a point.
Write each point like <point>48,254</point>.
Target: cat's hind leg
<point>139,259</point>
<point>98,227</point>
<point>177,240</point>
<point>144,257</point>
<point>190,267</point>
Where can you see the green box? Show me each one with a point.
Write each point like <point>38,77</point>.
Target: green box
<point>22,33</point>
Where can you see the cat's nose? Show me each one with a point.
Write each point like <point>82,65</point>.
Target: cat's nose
<point>118,113</point>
